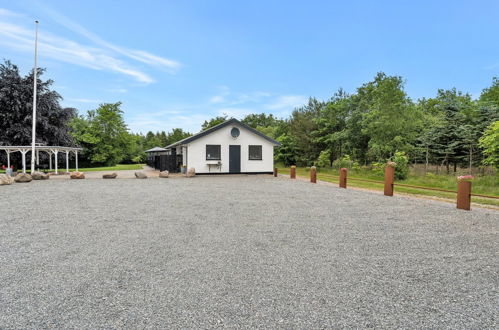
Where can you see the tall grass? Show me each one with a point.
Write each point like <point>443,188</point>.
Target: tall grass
<point>485,184</point>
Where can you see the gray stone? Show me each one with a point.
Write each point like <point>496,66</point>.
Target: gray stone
<point>40,176</point>
<point>6,180</point>
<point>140,175</point>
<point>164,174</point>
<point>23,177</point>
<point>77,175</point>
<point>110,175</point>
<point>191,172</point>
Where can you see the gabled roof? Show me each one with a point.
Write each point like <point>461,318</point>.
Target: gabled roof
<point>156,149</point>
<point>219,126</point>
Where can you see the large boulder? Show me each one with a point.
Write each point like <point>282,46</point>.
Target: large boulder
<point>164,174</point>
<point>140,175</point>
<point>23,177</point>
<point>77,175</point>
<point>190,172</point>
<point>110,175</point>
<point>40,176</point>
<point>6,179</point>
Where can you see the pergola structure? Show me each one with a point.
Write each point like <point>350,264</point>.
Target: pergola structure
<point>51,150</point>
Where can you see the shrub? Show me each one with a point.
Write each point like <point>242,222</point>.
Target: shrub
<point>344,161</point>
<point>324,159</point>
<point>402,167</point>
<point>378,168</point>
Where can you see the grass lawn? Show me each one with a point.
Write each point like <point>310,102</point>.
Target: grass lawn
<point>485,185</point>
<point>119,167</point>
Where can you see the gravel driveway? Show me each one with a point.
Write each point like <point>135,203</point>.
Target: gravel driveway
<point>241,252</point>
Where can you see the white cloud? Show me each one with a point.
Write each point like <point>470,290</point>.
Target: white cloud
<point>287,102</point>
<point>228,98</point>
<point>117,90</point>
<point>100,56</point>
<point>6,12</point>
<point>235,112</point>
<point>138,55</point>
<point>217,99</point>
<point>190,122</point>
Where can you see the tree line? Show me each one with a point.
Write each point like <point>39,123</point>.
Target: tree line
<point>378,122</point>
<point>102,132</point>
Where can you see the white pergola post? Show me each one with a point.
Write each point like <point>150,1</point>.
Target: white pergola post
<point>50,161</point>
<point>55,153</point>
<point>8,158</point>
<point>23,153</point>
<point>76,158</point>
<point>67,161</point>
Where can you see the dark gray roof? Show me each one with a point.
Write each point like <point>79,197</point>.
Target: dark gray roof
<point>219,126</point>
<point>156,149</point>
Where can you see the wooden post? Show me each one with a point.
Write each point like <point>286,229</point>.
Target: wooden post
<point>292,173</point>
<point>464,195</point>
<point>389,179</point>
<point>275,172</point>
<point>313,174</point>
<point>343,177</point>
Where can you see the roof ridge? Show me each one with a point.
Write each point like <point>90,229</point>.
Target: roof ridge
<point>218,126</point>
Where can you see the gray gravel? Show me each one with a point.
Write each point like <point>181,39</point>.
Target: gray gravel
<point>241,252</point>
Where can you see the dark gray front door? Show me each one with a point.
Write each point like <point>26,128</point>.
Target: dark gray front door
<point>234,159</point>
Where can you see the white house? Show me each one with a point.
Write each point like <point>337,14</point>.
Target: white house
<point>230,147</point>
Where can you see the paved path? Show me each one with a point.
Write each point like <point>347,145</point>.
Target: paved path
<point>241,251</point>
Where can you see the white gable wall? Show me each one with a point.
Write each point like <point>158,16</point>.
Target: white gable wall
<point>196,151</point>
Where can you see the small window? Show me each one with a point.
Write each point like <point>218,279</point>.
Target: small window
<point>255,152</point>
<point>213,152</point>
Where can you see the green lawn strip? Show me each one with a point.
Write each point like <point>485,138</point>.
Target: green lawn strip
<point>328,177</point>
<point>119,167</point>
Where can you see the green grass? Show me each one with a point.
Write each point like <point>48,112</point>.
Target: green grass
<point>485,185</point>
<point>119,167</point>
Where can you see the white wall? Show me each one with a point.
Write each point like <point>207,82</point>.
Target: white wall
<point>196,152</point>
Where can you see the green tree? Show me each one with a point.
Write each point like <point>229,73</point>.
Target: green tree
<point>489,142</point>
<point>454,110</point>
<point>331,127</point>
<point>390,119</point>
<point>103,135</point>
<point>302,124</point>
<point>16,108</point>
<point>260,120</point>
<point>213,122</point>
<point>491,94</point>
<point>175,135</point>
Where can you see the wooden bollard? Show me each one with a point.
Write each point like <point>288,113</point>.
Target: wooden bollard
<point>389,179</point>
<point>313,174</point>
<point>343,177</point>
<point>275,171</point>
<point>464,195</point>
<point>292,173</point>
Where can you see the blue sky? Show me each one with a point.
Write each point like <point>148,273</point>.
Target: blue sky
<point>177,63</point>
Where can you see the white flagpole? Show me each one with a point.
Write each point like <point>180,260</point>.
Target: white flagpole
<point>33,141</point>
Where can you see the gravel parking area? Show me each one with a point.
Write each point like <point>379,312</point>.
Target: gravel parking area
<point>241,252</point>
